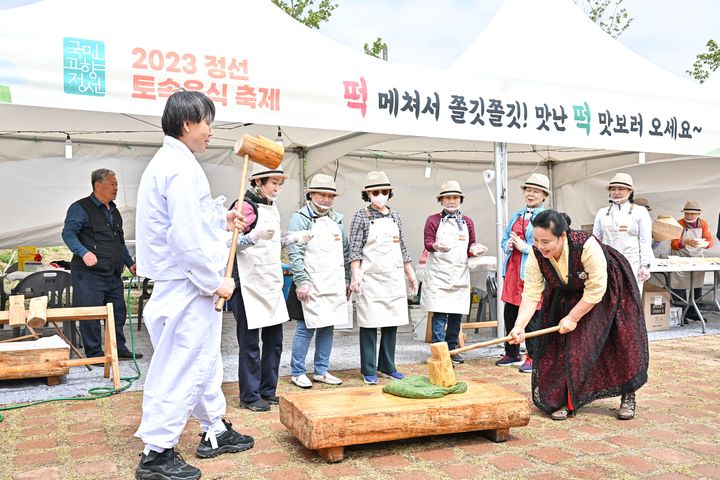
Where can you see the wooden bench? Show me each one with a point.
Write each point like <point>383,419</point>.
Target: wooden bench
<point>327,420</point>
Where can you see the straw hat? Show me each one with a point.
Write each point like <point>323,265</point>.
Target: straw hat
<point>451,187</point>
<point>643,202</point>
<point>377,180</point>
<point>621,180</point>
<point>539,181</point>
<point>322,184</point>
<point>692,206</point>
<point>260,171</point>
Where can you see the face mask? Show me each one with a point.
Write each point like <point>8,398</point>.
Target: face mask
<point>320,208</point>
<point>379,200</point>
<point>618,201</point>
<point>451,209</point>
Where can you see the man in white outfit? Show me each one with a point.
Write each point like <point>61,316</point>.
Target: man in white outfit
<point>182,244</point>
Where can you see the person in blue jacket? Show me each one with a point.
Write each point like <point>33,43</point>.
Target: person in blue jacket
<point>517,244</point>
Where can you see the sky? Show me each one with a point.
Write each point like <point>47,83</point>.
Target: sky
<point>433,33</point>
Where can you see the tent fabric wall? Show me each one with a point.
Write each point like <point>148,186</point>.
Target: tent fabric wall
<point>666,181</point>
<point>39,184</point>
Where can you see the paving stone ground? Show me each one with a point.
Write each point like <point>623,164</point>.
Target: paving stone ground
<point>676,435</point>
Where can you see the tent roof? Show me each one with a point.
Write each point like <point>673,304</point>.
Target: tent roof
<point>553,41</point>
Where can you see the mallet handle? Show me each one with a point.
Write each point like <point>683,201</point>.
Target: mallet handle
<point>504,339</point>
<point>236,232</point>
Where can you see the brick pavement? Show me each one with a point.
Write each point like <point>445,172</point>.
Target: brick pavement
<point>676,435</point>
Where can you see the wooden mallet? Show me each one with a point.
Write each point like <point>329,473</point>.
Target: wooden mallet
<point>440,365</point>
<point>268,154</point>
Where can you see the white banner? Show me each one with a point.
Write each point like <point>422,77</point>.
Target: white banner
<point>260,66</point>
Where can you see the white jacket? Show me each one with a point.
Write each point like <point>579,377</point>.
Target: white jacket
<point>179,228</point>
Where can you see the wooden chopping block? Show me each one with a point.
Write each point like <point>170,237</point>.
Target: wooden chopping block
<point>37,313</point>
<point>329,419</point>
<point>16,313</point>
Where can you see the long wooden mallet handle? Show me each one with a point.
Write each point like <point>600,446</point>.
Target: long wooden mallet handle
<point>236,231</point>
<point>504,339</point>
<point>268,154</point>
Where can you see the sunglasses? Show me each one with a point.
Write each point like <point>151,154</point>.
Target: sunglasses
<point>375,193</point>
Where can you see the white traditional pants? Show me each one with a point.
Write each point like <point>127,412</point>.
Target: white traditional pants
<point>185,374</point>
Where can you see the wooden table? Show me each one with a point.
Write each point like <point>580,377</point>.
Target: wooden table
<point>666,270</point>
<point>327,420</point>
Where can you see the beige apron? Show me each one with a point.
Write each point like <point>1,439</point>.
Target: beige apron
<point>620,231</point>
<point>325,265</point>
<point>446,288</point>
<point>261,277</point>
<point>681,280</point>
<point>383,302</point>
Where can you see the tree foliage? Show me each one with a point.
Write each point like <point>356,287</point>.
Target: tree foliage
<point>706,63</point>
<point>303,12</point>
<point>378,49</point>
<point>608,14</point>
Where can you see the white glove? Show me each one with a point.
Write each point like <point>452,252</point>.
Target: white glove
<point>303,292</point>
<point>643,274</point>
<point>521,245</point>
<point>301,236</point>
<point>356,283</point>
<point>265,234</point>
<point>440,247</point>
<point>478,249</point>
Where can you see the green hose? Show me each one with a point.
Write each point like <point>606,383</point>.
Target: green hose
<point>96,393</point>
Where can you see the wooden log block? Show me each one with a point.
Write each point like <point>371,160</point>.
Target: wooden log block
<point>440,366</point>
<point>16,312</point>
<point>37,313</point>
<point>22,361</point>
<point>328,419</point>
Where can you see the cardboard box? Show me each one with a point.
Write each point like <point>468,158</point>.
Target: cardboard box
<point>26,253</point>
<point>656,308</point>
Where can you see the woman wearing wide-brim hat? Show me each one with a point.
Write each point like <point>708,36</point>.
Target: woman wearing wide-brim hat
<point>626,226</point>
<point>517,244</point>
<point>696,237</point>
<point>449,238</point>
<point>258,303</point>
<point>380,266</point>
<point>317,299</point>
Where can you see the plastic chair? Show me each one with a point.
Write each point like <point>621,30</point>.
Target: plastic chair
<point>56,285</point>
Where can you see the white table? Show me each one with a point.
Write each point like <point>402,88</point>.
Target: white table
<point>665,271</point>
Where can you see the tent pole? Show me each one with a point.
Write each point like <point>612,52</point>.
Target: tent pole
<point>301,159</point>
<point>500,221</point>
<point>551,177</point>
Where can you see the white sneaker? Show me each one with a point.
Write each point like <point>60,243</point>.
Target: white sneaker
<point>327,378</point>
<point>302,381</point>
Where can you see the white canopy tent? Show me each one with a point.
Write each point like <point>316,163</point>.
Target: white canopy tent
<point>341,111</point>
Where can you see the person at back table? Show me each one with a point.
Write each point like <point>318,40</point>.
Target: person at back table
<point>93,232</point>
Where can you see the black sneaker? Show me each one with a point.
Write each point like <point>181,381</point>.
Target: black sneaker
<point>229,441</point>
<point>258,405</point>
<point>166,465</point>
<point>457,358</point>
<point>272,400</point>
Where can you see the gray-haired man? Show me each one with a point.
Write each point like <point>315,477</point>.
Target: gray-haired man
<point>94,233</point>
